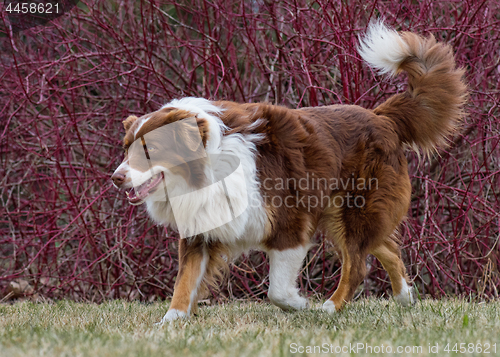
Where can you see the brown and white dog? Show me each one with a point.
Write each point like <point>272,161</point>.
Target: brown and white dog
<point>337,169</point>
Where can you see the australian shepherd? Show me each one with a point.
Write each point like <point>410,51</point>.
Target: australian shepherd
<point>233,177</point>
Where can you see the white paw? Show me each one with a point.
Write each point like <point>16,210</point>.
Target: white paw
<point>290,301</point>
<point>299,303</point>
<point>329,307</point>
<point>172,315</point>
<point>407,295</point>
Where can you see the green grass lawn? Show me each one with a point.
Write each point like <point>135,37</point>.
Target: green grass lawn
<point>119,328</point>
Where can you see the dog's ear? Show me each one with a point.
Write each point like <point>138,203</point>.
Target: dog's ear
<point>187,134</point>
<point>127,123</point>
<point>204,130</point>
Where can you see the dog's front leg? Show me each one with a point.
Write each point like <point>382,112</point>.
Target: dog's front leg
<point>284,266</point>
<point>193,260</point>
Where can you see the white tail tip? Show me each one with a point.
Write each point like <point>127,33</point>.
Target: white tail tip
<point>382,48</point>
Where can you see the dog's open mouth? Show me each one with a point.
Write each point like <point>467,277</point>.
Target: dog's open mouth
<point>137,195</point>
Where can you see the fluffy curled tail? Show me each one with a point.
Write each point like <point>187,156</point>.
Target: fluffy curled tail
<point>432,107</point>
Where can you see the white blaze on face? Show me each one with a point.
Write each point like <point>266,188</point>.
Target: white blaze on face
<point>141,123</point>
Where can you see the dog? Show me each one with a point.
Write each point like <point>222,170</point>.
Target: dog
<point>234,177</point>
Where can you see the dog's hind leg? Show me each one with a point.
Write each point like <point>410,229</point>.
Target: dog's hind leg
<point>193,261</point>
<point>389,255</point>
<point>353,273</point>
<point>359,231</point>
<point>353,254</point>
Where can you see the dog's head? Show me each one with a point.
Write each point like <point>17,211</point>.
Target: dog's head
<point>166,148</point>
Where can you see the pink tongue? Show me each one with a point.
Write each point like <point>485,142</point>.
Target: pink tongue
<point>143,190</point>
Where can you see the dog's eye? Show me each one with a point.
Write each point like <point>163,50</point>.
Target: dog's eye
<point>152,148</point>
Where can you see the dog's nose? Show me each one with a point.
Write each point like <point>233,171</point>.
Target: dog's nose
<point>118,179</point>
